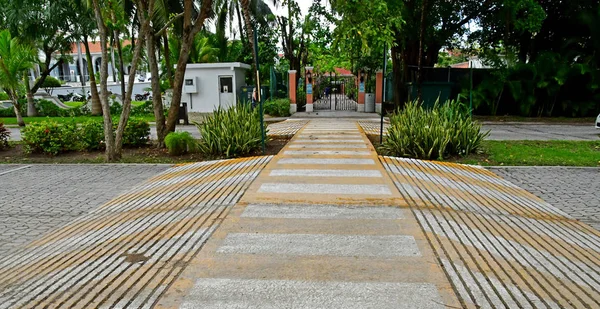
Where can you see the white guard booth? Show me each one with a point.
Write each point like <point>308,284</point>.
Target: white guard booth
<point>207,86</point>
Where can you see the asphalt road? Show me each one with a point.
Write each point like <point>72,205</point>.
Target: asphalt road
<point>504,131</point>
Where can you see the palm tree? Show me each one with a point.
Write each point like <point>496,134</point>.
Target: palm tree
<point>16,60</point>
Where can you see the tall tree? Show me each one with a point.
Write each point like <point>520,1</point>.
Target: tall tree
<point>103,13</point>
<point>399,24</point>
<point>190,27</point>
<point>16,59</point>
<point>82,27</point>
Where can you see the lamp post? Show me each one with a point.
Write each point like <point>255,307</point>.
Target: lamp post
<point>259,95</point>
<point>384,91</point>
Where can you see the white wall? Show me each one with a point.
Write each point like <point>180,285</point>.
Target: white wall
<point>207,99</point>
<point>138,88</point>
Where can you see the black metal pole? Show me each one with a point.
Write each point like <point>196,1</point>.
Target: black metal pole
<point>383,90</point>
<point>260,99</point>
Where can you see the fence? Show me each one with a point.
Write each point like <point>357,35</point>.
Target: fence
<point>517,96</point>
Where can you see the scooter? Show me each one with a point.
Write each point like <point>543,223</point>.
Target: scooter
<point>76,97</point>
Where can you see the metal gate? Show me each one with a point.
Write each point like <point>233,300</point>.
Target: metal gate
<point>331,92</point>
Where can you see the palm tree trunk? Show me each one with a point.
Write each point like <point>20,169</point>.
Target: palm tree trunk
<point>240,25</point>
<point>249,32</point>
<point>17,108</point>
<point>168,59</point>
<point>420,61</point>
<point>159,113</point>
<point>96,105</point>
<point>31,111</point>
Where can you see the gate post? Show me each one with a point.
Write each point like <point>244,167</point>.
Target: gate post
<point>378,91</point>
<point>292,88</point>
<point>309,89</point>
<point>361,91</point>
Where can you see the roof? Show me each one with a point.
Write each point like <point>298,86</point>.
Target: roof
<point>218,65</point>
<point>95,47</point>
<point>340,72</point>
<point>462,65</point>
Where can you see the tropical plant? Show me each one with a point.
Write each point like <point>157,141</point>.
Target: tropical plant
<point>49,84</point>
<point>15,61</point>
<point>179,143</point>
<point>91,135</point>
<point>50,137</point>
<point>277,108</point>
<point>137,133</point>
<point>446,130</point>
<point>4,135</point>
<point>231,132</point>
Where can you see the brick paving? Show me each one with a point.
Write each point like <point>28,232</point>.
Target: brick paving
<point>39,198</point>
<point>575,191</point>
<point>286,128</point>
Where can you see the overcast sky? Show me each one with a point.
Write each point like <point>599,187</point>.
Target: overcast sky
<point>282,10</point>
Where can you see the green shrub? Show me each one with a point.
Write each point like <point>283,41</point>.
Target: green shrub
<point>443,131</point>
<point>10,112</point>
<point>145,108</point>
<point>50,137</point>
<point>49,83</point>
<point>116,108</point>
<point>277,108</point>
<point>231,132</point>
<point>49,109</point>
<point>3,96</point>
<point>92,135</point>
<point>4,135</point>
<point>179,143</point>
<point>136,133</point>
<point>7,112</point>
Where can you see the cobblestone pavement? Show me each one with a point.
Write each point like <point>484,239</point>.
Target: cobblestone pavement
<point>39,198</point>
<point>515,131</point>
<point>573,190</point>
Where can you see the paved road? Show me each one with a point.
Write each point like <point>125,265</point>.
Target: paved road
<point>542,132</point>
<point>498,132</point>
<point>575,191</point>
<point>39,198</point>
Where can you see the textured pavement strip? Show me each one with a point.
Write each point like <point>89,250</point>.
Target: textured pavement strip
<point>131,249</point>
<point>287,128</point>
<point>516,251</point>
<point>373,127</point>
<point>280,249</point>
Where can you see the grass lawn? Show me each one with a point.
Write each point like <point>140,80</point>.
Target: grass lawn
<point>80,119</point>
<point>73,104</point>
<point>514,153</point>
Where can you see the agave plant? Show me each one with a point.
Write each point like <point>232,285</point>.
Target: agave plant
<point>446,130</point>
<point>232,132</point>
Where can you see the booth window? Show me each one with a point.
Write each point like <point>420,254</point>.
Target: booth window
<point>226,84</point>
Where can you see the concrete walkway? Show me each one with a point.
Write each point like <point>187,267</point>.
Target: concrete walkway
<point>322,226</point>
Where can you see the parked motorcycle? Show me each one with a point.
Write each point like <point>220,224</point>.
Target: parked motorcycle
<point>66,97</point>
<point>143,97</point>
